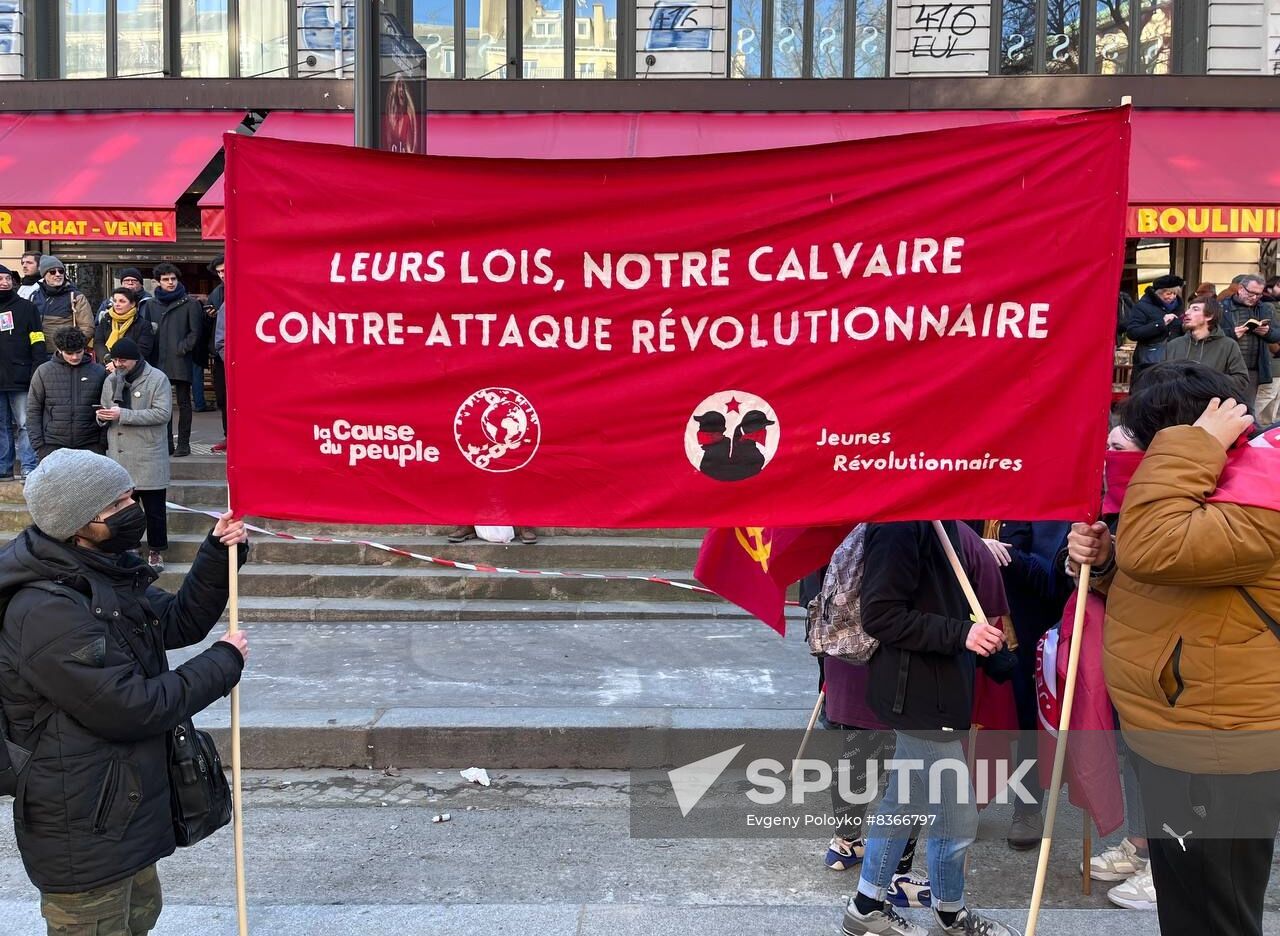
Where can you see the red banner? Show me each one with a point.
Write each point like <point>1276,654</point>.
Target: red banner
<point>89,224</point>
<point>912,327</point>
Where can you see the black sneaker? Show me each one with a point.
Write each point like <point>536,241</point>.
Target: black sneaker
<point>971,923</point>
<point>884,922</point>
<point>181,452</point>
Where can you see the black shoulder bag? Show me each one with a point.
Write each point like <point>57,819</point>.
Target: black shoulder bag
<point>198,788</point>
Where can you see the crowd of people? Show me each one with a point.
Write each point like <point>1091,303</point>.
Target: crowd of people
<point>1191,644</point>
<point>113,382</point>
<point>1191,649</point>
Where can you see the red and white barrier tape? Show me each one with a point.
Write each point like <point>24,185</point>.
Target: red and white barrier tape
<point>453,563</point>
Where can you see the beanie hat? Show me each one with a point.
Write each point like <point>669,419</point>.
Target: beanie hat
<point>126,348</point>
<point>131,271</point>
<point>72,486</point>
<point>5,269</point>
<point>1169,281</point>
<point>50,262</point>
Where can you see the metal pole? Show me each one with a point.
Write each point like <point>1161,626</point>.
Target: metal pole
<point>366,52</point>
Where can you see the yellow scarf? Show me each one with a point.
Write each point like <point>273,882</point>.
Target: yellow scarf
<point>120,323</point>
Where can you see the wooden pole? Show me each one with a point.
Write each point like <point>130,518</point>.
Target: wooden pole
<point>1060,751</point>
<point>961,577</point>
<point>237,803</point>
<point>813,720</point>
<point>1086,878</point>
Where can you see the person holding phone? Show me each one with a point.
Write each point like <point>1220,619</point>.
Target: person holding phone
<point>136,408</point>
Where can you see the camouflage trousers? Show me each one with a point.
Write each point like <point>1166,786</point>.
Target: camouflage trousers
<point>125,908</point>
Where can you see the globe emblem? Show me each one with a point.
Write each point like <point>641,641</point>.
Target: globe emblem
<point>504,423</point>
<point>497,429</point>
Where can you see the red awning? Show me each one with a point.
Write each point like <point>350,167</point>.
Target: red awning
<point>102,176</point>
<point>610,136</point>
<point>1196,173</point>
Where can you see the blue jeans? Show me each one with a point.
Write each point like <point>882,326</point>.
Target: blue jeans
<point>197,389</point>
<point>13,411</point>
<point>952,823</point>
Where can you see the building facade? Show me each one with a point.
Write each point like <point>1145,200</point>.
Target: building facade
<point>257,57</point>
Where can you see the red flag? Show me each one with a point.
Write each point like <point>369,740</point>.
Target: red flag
<point>1092,768</point>
<point>752,566</point>
<point>995,714</point>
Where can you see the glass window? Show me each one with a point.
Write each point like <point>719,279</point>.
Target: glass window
<point>1156,38</point>
<point>12,33</point>
<point>139,38</point>
<point>83,27</point>
<point>544,39</point>
<point>325,47</point>
<point>205,49</point>
<point>1111,38</point>
<point>264,39</point>
<point>596,42</point>
<point>788,38</point>
<point>871,32</point>
<point>487,38</point>
<point>433,28</point>
<point>748,27</point>
<point>828,38</point>
<point>1062,37</point>
<point>1017,37</point>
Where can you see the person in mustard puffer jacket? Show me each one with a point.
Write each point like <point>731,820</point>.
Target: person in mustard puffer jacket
<point>1192,653</point>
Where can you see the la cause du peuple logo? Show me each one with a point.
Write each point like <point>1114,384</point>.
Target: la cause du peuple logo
<point>362,442</point>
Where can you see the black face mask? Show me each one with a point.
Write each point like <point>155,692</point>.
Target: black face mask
<point>126,528</point>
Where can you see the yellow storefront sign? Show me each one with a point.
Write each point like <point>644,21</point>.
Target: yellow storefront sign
<point>1204,221</point>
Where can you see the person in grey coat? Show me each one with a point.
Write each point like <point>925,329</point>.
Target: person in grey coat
<point>136,408</point>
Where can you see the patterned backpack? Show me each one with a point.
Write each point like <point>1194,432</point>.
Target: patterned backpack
<point>835,619</point>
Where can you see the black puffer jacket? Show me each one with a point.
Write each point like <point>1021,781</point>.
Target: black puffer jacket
<point>96,805</point>
<point>60,411</point>
<point>921,677</point>
<point>22,347</point>
<point>179,325</point>
<point>1148,328</point>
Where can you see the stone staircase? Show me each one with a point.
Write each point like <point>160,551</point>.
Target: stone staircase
<point>364,658</point>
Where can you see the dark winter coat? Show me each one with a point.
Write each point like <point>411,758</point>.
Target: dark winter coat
<point>142,332</point>
<point>921,677</point>
<point>1147,327</point>
<point>61,307</point>
<point>96,807</point>
<point>22,347</point>
<point>60,406</point>
<point>179,325</point>
<point>1234,314</point>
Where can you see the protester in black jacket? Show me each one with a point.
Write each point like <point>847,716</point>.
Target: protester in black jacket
<point>85,684</point>
<point>126,317</point>
<point>22,350</point>
<point>1153,320</point>
<point>921,680</point>
<point>65,391</point>
<point>179,323</point>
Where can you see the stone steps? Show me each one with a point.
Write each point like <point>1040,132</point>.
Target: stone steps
<point>510,692</point>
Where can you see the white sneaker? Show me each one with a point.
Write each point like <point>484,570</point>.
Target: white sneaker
<point>886,922</point>
<point>1117,863</point>
<point>1137,893</point>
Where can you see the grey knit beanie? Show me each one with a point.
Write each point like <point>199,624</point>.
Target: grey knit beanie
<point>71,487</point>
<point>50,262</point>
